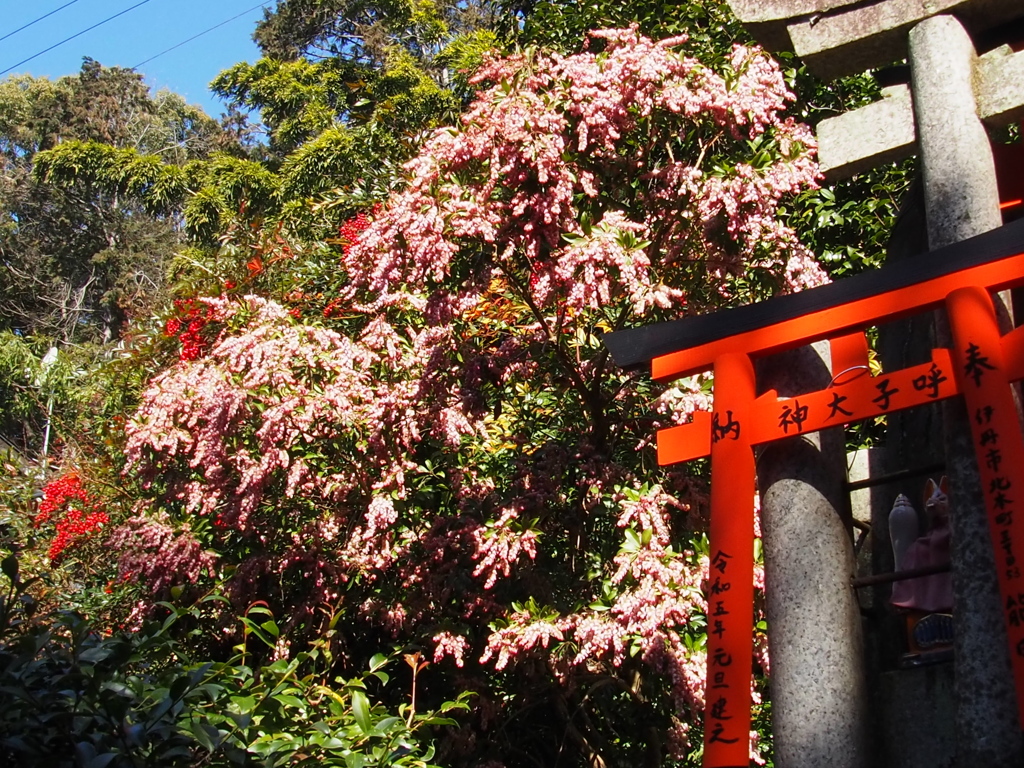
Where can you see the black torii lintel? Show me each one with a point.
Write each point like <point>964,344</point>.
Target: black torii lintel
<point>634,348</point>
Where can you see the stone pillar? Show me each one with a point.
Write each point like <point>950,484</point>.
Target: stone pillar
<point>961,200</point>
<point>819,711</point>
<point>961,196</point>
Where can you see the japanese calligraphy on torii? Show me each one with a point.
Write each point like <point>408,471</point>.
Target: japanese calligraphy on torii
<point>861,397</point>
<point>979,366</point>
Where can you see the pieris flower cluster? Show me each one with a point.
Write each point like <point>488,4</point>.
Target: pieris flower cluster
<point>535,153</point>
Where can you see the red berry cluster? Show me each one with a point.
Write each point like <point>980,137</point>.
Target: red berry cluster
<point>74,527</point>
<point>76,524</point>
<point>351,229</point>
<point>57,493</point>
<point>191,316</point>
<point>333,308</point>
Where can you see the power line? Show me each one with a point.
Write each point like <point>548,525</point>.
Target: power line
<point>77,34</point>
<point>215,26</point>
<point>44,16</point>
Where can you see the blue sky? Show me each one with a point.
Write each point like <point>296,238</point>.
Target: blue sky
<point>132,38</point>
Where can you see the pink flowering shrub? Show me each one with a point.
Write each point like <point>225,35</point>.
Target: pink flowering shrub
<point>525,179</point>
<point>159,554</point>
<point>445,456</point>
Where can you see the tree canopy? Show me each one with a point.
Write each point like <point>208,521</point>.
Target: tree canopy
<point>78,261</point>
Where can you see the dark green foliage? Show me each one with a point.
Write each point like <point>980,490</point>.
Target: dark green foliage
<point>74,266</point>
<point>341,123</point>
<point>352,62</point>
<point>847,224</point>
<point>118,172</point>
<point>364,30</point>
<point>296,99</point>
<point>74,695</point>
<point>563,24</point>
<point>37,385</point>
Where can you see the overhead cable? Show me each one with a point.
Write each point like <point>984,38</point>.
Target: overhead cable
<point>215,26</point>
<point>44,16</point>
<point>77,34</point>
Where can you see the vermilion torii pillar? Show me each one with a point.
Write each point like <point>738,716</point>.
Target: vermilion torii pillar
<point>980,365</point>
<point>731,571</point>
<point>983,374</point>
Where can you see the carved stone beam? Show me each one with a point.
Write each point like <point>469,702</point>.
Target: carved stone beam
<point>883,132</point>
<point>1000,89</point>
<point>844,37</point>
<point>768,20</point>
<point>856,141</point>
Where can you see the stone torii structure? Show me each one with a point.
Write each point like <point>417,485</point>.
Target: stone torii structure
<point>943,115</point>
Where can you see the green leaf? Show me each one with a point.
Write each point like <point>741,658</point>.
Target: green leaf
<point>243,703</point>
<point>161,709</point>
<point>291,701</point>
<point>439,721</point>
<point>361,710</point>
<point>10,568</point>
<point>242,721</point>
<point>180,686</point>
<point>390,724</point>
<point>205,735</point>
<point>95,655</point>
<point>180,751</point>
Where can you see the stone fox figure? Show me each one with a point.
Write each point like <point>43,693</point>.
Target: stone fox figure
<point>932,594</point>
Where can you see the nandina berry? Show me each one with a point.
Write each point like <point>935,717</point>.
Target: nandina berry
<point>351,229</point>
<point>80,519</point>
<point>193,317</point>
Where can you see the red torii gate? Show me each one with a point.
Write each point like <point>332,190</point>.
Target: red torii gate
<point>980,367</point>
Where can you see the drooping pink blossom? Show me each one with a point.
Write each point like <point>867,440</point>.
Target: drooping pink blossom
<point>158,554</point>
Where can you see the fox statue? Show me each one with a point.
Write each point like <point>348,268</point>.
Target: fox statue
<point>933,593</point>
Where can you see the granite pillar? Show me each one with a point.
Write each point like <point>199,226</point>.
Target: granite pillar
<point>961,200</point>
<point>819,710</point>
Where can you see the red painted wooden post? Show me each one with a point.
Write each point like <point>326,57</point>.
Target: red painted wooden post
<point>999,450</point>
<point>731,576</point>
